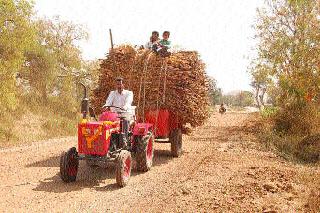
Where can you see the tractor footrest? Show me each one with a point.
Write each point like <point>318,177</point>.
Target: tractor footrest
<point>162,140</point>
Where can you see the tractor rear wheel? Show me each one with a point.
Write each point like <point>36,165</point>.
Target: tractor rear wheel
<point>123,168</point>
<point>69,164</point>
<point>144,152</point>
<point>176,142</point>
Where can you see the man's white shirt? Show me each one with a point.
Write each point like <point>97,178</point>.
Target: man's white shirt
<point>123,100</point>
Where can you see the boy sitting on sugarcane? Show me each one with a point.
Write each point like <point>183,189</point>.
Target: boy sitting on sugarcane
<point>164,42</point>
<point>164,45</point>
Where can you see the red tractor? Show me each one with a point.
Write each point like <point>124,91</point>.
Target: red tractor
<point>108,140</point>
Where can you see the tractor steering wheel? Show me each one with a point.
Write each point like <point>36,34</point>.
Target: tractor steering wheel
<point>117,108</point>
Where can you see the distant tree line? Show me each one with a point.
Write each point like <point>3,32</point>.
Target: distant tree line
<point>215,93</point>
<point>241,98</point>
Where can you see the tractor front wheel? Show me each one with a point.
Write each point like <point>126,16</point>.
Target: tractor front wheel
<point>144,154</point>
<point>69,164</point>
<point>123,168</point>
<point>176,142</point>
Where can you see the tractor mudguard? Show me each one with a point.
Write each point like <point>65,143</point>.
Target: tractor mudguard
<point>142,128</point>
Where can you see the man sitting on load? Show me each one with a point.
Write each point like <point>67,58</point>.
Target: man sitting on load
<point>120,98</point>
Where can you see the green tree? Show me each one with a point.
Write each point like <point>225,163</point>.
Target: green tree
<point>288,62</point>
<point>40,72</point>
<point>16,36</point>
<point>215,93</point>
<point>260,82</point>
<point>55,59</point>
<point>289,49</point>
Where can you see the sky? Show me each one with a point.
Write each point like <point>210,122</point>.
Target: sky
<point>220,30</point>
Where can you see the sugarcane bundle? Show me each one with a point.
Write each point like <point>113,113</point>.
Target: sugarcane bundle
<point>177,83</point>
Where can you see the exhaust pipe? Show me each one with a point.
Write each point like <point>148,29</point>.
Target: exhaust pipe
<point>84,103</point>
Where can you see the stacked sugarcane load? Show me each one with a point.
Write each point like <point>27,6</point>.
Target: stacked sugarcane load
<point>177,83</point>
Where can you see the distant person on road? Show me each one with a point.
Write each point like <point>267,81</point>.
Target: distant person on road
<point>222,109</point>
<point>154,40</point>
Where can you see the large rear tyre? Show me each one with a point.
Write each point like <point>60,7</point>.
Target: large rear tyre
<point>144,152</point>
<point>123,168</point>
<point>69,164</point>
<point>176,142</point>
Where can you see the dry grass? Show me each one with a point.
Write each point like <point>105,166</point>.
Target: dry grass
<point>292,147</point>
<point>33,122</point>
<point>297,120</point>
<point>292,132</point>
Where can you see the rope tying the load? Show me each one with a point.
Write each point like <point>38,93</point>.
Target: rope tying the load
<point>143,82</point>
<point>162,70</point>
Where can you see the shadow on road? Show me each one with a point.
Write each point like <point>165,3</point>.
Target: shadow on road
<point>50,162</point>
<point>89,177</point>
<point>161,157</point>
<point>95,177</point>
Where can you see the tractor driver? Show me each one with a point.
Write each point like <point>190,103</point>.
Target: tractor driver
<point>120,98</point>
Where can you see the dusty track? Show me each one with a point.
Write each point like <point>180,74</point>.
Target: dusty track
<point>222,169</point>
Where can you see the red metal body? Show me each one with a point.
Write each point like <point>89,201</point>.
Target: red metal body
<point>94,137</point>
<point>97,132</point>
<point>142,128</point>
<point>163,121</point>
<point>109,116</point>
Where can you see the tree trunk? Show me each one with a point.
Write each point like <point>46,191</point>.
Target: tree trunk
<point>257,88</point>
<point>262,96</point>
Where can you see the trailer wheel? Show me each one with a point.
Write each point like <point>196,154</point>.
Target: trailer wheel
<point>123,168</point>
<point>144,152</point>
<point>69,164</point>
<point>176,142</point>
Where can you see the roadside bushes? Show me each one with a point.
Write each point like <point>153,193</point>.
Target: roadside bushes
<point>309,148</point>
<point>297,119</point>
<point>269,111</point>
<point>294,131</point>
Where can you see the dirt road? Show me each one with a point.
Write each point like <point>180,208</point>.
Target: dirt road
<point>222,170</point>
